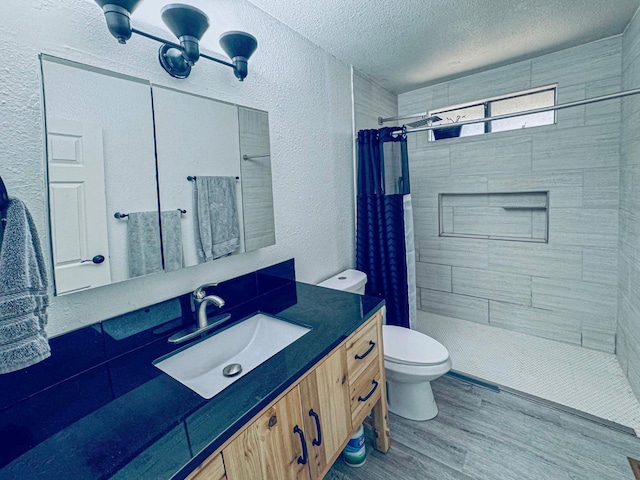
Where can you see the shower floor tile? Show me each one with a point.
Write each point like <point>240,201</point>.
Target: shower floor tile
<point>579,378</point>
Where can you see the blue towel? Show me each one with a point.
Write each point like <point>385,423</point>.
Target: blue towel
<point>217,231</point>
<point>23,292</point>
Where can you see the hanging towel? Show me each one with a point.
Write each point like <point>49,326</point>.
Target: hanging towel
<point>217,232</point>
<point>143,242</point>
<point>23,292</point>
<point>172,240</point>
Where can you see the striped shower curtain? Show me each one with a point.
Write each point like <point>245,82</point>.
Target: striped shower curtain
<point>384,243</point>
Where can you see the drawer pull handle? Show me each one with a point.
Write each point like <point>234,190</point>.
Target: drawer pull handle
<point>372,345</point>
<point>365,398</point>
<point>303,459</point>
<point>316,442</point>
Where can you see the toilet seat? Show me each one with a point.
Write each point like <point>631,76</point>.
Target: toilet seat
<point>409,347</point>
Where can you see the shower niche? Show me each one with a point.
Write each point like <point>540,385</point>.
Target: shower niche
<point>515,216</point>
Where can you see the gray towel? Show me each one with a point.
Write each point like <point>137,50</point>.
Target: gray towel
<point>172,240</point>
<point>23,292</point>
<point>216,220</point>
<point>143,242</point>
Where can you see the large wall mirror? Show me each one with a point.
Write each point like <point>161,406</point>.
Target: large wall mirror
<point>114,143</point>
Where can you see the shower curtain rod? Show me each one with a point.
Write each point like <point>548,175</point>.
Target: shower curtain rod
<point>562,106</point>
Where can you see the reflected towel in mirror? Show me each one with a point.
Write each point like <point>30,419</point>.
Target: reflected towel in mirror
<point>217,232</point>
<point>172,240</point>
<point>143,242</point>
<point>23,292</point>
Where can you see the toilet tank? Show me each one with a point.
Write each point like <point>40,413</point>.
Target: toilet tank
<point>349,281</point>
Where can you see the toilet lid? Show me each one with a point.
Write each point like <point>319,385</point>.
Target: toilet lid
<point>406,346</point>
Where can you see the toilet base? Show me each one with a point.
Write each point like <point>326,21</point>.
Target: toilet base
<point>413,401</point>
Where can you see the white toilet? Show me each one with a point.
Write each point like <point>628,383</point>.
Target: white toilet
<point>411,359</point>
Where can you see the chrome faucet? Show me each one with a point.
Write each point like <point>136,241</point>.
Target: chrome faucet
<point>200,292</point>
<point>202,300</point>
<point>202,309</point>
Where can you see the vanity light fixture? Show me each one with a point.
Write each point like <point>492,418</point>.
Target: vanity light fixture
<point>188,24</point>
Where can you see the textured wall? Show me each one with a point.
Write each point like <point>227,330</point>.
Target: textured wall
<point>628,344</point>
<point>563,290</point>
<point>306,91</point>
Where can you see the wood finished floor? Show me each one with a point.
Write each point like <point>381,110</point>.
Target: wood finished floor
<point>484,435</point>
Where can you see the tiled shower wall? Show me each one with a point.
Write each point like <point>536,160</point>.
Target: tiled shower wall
<point>371,101</point>
<point>565,289</point>
<point>628,347</point>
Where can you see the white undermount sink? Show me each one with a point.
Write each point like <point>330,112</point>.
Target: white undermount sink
<point>248,343</point>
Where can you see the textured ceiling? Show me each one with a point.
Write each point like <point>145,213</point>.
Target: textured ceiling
<point>406,44</point>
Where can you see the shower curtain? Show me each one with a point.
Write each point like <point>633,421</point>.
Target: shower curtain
<point>384,242</point>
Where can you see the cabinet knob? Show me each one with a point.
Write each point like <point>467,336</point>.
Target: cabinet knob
<point>98,259</point>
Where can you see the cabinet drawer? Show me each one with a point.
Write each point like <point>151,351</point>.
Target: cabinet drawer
<point>211,469</point>
<point>365,392</point>
<point>362,349</point>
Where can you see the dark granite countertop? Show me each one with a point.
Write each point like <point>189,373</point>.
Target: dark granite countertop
<point>152,426</point>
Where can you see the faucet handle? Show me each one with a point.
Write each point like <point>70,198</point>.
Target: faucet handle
<point>200,292</point>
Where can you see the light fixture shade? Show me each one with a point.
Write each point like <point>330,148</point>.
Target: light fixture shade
<point>185,20</point>
<point>239,46</point>
<point>117,14</point>
<point>188,24</point>
<point>128,5</point>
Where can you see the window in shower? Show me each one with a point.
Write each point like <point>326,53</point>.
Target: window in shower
<point>493,107</point>
<point>518,216</point>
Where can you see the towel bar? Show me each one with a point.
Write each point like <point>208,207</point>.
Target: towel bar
<point>193,178</point>
<point>251,157</point>
<point>119,215</point>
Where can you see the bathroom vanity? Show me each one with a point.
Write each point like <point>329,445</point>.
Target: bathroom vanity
<point>100,409</point>
<point>301,433</point>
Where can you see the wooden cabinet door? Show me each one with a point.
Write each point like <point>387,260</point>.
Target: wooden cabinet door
<point>326,411</point>
<point>269,448</point>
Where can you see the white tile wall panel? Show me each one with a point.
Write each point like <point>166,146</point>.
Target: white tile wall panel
<point>601,188</point>
<point>452,305</point>
<point>603,112</point>
<point>427,162</point>
<point>588,300</point>
<point>425,222</point>
<point>497,153</point>
<point>433,276</point>
<point>423,99</point>
<point>503,80</point>
<point>586,227</point>
<point>631,46</point>
<point>461,252</point>
<point>490,221</point>
<point>576,65</point>
<point>599,340</point>
<point>542,260</point>
<point>371,101</point>
<point>600,265</point>
<point>571,117</point>
<point>595,146</point>
<point>535,321</point>
<point>492,285</point>
<point>565,187</point>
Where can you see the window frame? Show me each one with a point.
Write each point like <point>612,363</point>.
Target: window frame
<point>486,103</point>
